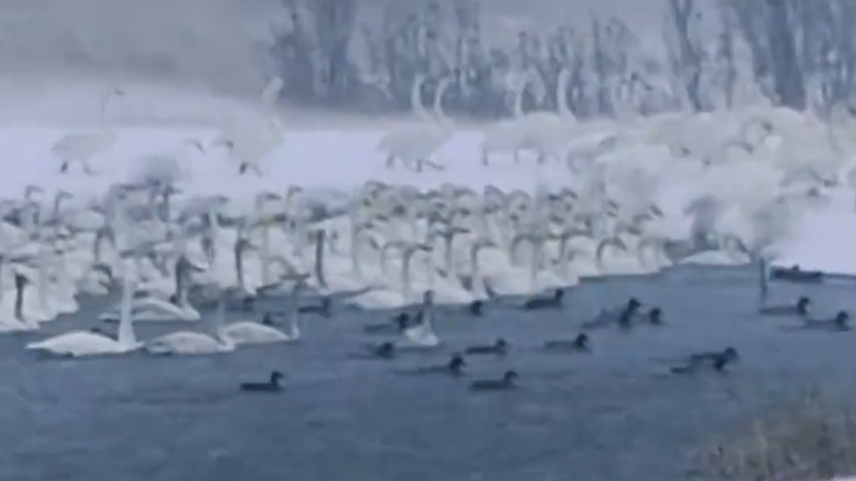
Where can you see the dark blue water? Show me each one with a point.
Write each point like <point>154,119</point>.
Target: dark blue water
<point>608,416</point>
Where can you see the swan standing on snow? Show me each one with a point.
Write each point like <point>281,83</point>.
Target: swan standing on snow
<point>415,145</point>
<point>190,343</point>
<point>250,141</point>
<point>249,332</point>
<point>505,136</point>
<point>542,131</point>
<point>89,343</point>
<point>81,148</point>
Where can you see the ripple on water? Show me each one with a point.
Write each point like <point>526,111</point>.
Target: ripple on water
<point>611,415</point>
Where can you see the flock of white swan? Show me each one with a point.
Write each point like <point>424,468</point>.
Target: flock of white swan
<point>643,197</point>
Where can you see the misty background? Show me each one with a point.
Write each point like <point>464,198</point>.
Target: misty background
<point>199,60</point>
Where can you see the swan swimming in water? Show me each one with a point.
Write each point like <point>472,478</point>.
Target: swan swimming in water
<point>151,308</point>
<point>89,343</point>
<point>249,332</point>
<point>422,334</point>
<point>190,343</point>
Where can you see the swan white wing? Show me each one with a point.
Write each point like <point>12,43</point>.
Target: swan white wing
<point>422,335</point>
<point>248,332</point>
<point>186,343</point>
<point>79,344</point>
<point>83,145</point>
<point>154,309</point>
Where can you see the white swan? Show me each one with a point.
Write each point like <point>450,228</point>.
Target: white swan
<point>190,343</point>
<point>422,334</point>
<point>250,141</point>
<point>415,144</point>
<point>250,332</point>
<point>151,308</point>
<point>89,343</point>
<point>506,135</point>
<point>545,132</point>
<point>82,147</point>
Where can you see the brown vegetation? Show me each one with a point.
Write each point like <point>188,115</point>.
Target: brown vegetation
<point>811,439</point>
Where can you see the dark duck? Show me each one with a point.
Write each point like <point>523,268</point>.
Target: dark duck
<point>455,367</point>
<point>506,383</point>
<point>271,386</point>
<point>581,343</point>
<point>539,303</point>
<point>396,324</point>
<point>796,274</point>
<point>841,322</point>
<point>799,308</point>
<point>623,316</point>
<point>385,350</point>
<point>499,347</point>
<point>715,360</point>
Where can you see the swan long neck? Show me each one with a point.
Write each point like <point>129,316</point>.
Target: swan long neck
<point>518,96</point>
<point>562,86</point>
<point>320,241</point>
<point>449,252</point>
<point>405,272</point>
<point>42,275</point>
<point>763,279</point>
<point>475,267</point>
<point>265,253</point>
<point>428,310</point>
<point>105,105</point>
<point>239,265</point>
<point>294,310</point>
<point>356,231</point>
<point>219,319</point>
<point>181,266</point>
<point>126,329</point>
<point>19,302</point>
<point>416,97</point>
<point>270,93</point>
<point>438,103</point>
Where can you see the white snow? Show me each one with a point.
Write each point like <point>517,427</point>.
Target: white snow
<point>641,162</point>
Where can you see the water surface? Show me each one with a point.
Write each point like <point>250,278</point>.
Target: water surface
<point>612,415</point>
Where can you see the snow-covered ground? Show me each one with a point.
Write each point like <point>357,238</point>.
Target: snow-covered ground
<point>671,161</point>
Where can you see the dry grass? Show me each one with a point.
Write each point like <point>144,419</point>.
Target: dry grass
<point>811,439</point>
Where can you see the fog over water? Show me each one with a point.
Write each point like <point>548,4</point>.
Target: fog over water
<point>57,56</point>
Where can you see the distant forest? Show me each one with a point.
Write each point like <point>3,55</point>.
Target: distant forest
<point>795,53</point>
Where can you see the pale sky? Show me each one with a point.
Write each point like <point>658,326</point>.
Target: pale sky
<point>216,42</point>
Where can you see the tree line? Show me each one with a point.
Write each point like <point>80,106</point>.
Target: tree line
<point>795,53</point>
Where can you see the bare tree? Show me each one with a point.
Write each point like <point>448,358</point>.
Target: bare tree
<point>687,64</point>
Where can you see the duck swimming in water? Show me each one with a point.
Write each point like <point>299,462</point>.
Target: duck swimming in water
<point>545,302</point>
<point>397,324</point>
<point>455,367</point>
<point>623,316</point>
<point>729,353</point>
<point>655,316</point>
<point>385,350</point>
<point>800,308</point>
<point>841,322</point>
<point>476,308</point>
<point>581,343</point>
<point>324,308</point>
<point>273,385</point>
<point>797,275</point>
<point>717,360</point>
<point>508,382</point>
<point>499,347</point>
